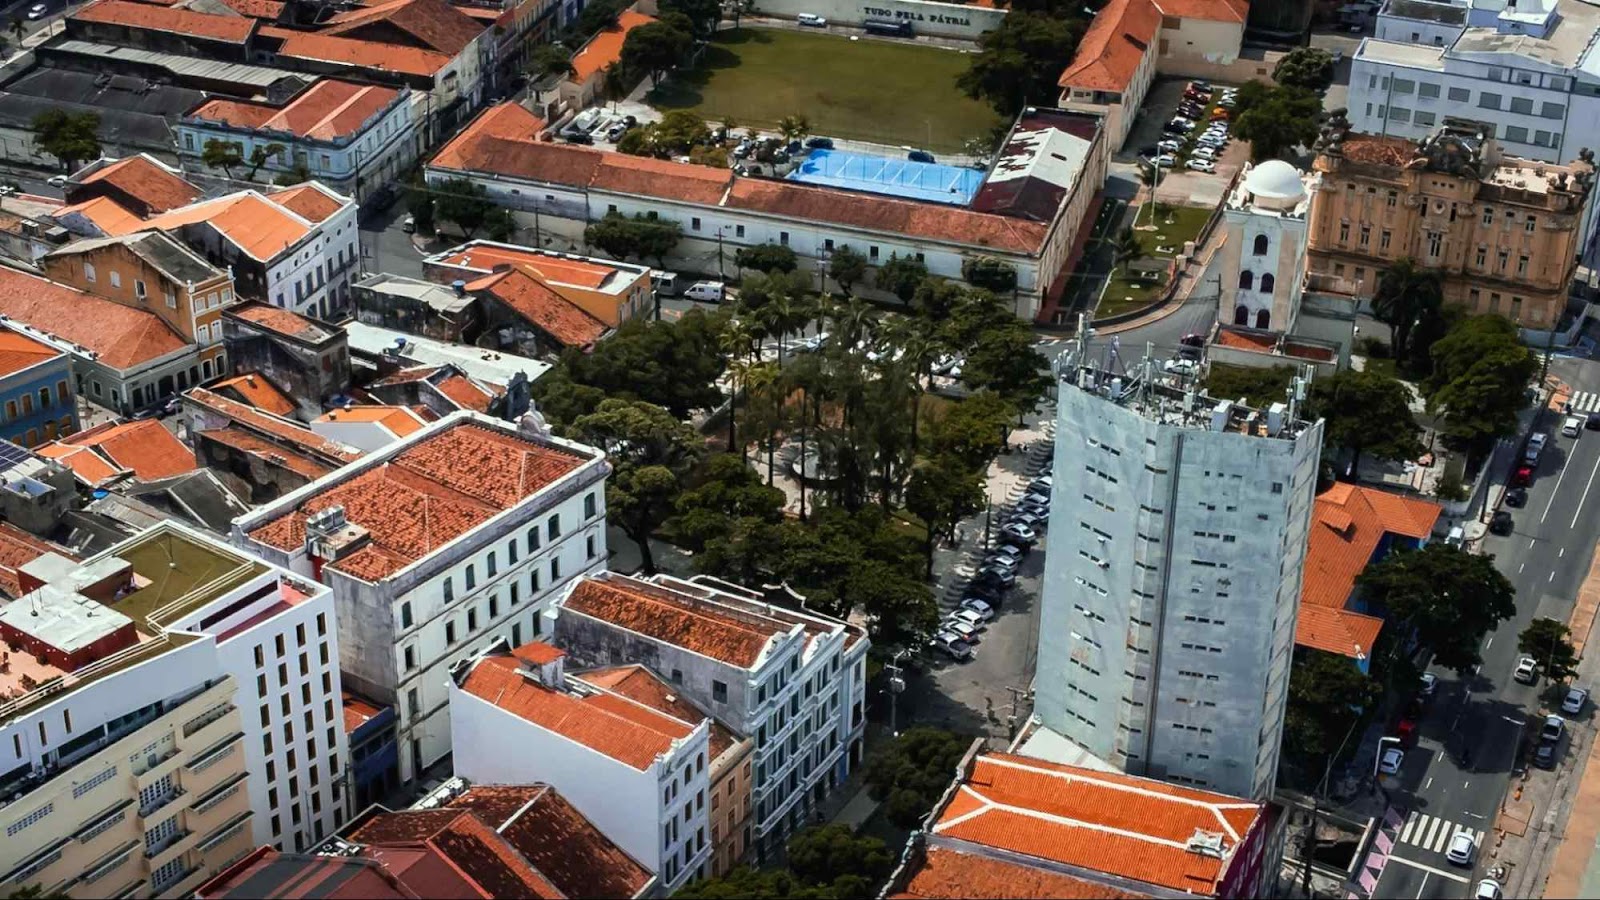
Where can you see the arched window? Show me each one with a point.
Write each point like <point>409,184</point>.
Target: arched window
<point>1264,318</point>
<point>1266,283</point>
<point>1241,315</point>
<point>1247,281</point>
<point>1261,245</point>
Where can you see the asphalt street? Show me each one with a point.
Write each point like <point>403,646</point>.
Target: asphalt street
<point>1546,558</point>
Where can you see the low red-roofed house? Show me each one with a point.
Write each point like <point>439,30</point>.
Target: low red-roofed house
<point>1015,826</point>
<point>610,291</point>
<point>590,62</point>
<point>141,184</point>
<point>144,450</point>
<point>350,137</point>
<point>467,528</point>
<point>539,319</point>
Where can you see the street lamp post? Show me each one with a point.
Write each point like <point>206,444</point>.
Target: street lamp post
<point>897,686</point>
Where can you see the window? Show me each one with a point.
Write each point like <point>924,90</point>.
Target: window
<point>1366,235</point>
<point>590,504</point>
<point>533,538</point>
<point>449,589</point>
<point>1422,118</point>
<point>1552,110</point>
<point>1516,134</point>
<point>1383,239</point>
<point>1522,265</point>
<point>783,238</point>
<point>694,223</point>
<point>1427,90</point>
<point>588,542</point>
<point>1266,283</point>
<point>872,252</point>
<point>1503,258</point>
<point>116,279</point>
<point>1247,280</point>
<point>412,704</point>
<point>1460,95</point>
<point>472,577</point>
<point>1522,105</point>
<point>552,527</point>
<point>1435,244</point>
<point>1399,114</point>
<point>449,633</point>
<point>1533,223</point>
<point>1544,139</point>
<point>492,566</point>
<point>1344,232</point>
<point>411,658</point>
<point>719,691</point>
<point>172,299</point>
<point>88,272</point>
<point>555,569</point>
<point>1261,245</point>
<point>44,398</point>
<point>1488,215</point>
<point>138,288</point>
<point>472,619</point>
<point>1482,257</point>
<point>738,230</point>
<point>405,614</point>
<point>1404,85</point>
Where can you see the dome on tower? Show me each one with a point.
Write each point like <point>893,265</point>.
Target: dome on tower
<point>1275,183</point>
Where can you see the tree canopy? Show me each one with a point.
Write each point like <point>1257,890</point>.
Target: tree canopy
<point>1549,642</point>
<point>1284,118</point>
<point>649,451</point>
<point>1310,68</point>
<point>990,274</point>
<point>1367,412</point>
<point>1450,597</point>
<point>222,155</point>
<point>901,276</point>
<point>1405,295</point>
<point>69,137</point>
<point>910,772</point>
<point>1479,382</point>
<point>655,48</point>
<point>1327,692</point>
<point>1019,62</point>
<point>847,267</point>
<point>767,258</point>
<point>465,203</point>
<point>942,491</point>
<point>670,364</point>
<point>641,236</point>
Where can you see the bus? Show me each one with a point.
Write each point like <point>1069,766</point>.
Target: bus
<point>887,27</point>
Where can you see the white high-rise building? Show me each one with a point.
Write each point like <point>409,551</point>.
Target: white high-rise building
<point>1176,547</point>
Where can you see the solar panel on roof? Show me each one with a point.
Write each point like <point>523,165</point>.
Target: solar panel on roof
<point>12,456</point>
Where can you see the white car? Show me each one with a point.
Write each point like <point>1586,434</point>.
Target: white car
<point>1574,701</point>
<point>1170,146</point>
<point>1488,889</point>
<point>1165,160</point>
<point>1461,849</point>
<point>1536,444</point>
<point>1201,165</point>
<point>1392,759</point>
<point>1430,683</point>
<point>1527,670</point>
<point>1572,426</point>
<point>811,20</point>
<point>57,180</point>
<point>961,630</point>
<point>38,11</point>
<point>1001,561</point>
<point>977,607</point>
<point>1205,151</point>
<point>1180,366</point>
<point>967,617</point>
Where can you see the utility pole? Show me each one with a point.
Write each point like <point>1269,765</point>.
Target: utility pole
<point>721,274</point>
<point>897,686</point>
<point>1011,718</point>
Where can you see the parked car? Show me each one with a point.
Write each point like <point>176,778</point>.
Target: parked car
<point>1572,426</point>
<point>961,630</point>
<point>921,156</point>
<point>1201,165</point>
<point>953,646</point>
<point>57,180</point>
<point>1018,534</point>
<point>1391,761</point>
<point>1181,366</point>
<point>1204,152</point>
<point>819,143</point>
<point>576,137</point>
<point>991,593</point>
<point>706,291</point>
<point>1165,161</point>
<point>616,131</point>
<point>1527,670</point>
<point>1198,85</point>
<point>1461,849</point>
<point>1010,552</point>
<point>1544,756</point>
<point>1488,889</point>
<point>1553,729</point>
<point>1536,442</point>
<point>968,617</point>
<point>811,20</point>
<point>1501,523</point>
<point>1593,422</point>
<point>995,577</point>
<point>979,608</point>
<point>409,224</point>
<point>1034,519</point>
<point>1516,498</point>
<point>1042,486</point>
<point>1430,684</point>
<point>1522,477</point>
<point>1574,702</point>
<point>38,11</point>
<point>1169,146</point>
<point>1009,564</point>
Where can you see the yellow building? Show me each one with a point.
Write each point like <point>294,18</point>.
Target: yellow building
<point>1502,231</point>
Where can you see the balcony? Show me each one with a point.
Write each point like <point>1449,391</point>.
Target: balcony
<point>216,807</point>
<point>210,756</point>
<point>214,728</point>
<point>163,887</point>
<point>228,829</point>
<point>160,803</point>
<point>206,718</point>
<point>110,863</point>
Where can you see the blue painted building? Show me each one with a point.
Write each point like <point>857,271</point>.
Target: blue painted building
<point>37,401</point>
<point>374,752</point>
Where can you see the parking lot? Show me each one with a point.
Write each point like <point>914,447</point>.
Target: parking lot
<point>1178,185</point>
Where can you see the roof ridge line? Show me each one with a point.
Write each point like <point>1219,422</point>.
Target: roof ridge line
<point>1132,789</point>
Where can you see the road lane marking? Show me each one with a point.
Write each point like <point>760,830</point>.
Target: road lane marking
<point>1411,822</point>
<point>1430,869</point>
<point>1429,784</point>
<point>1561,552</point>
<point>1521,567</point>
<point>1551,578</point>
<point>1585,496</point>
<point>1553,494</point>
<point>1444,838</point>
<point>1488,642</point>
<point>1423,886</point>
<point>1433,826</point>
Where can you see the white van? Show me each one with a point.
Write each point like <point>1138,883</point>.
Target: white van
<point>705,292</point>
<point>665,283</point>
<point>1572,426</point>
<point>811,20</point>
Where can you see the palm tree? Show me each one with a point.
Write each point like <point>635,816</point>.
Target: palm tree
<point>852,319</point>
<point>1405,294</point>
<point>735,342</point>
<point>764,390</point>
<point>17,28</point>
<point>794,127</point>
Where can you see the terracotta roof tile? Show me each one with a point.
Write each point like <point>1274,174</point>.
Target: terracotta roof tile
<point>248,443</point>
<point>1338,631</point>
<point>645,687</point>
<point>605,47</point>
<point>466,393</point>
<point>17,549</point>
<point>259,227</point>
<point>490,861</point>
<point>552,268</point>
<point>634,737</point>
<point>400,420</point>
<point>1118,824</point>
<point>1245,340</point>
<point>122,337</point>
<point>549,832</point>
<point>526,294</point>
<point>173,21</point>
<point>1380,150</point>
<point>562,164</point>
<point>270,10</point>
<point>672,617</point>
<point>146,448</point>
<point>1211,10</point>
<point>258,391</point>
<point>105,214</point>
<point>1348,524</point>
<point>1110,51</point>
<point>946,874</point>
<point>425,870</point>
<point>371,54</point>
<point>358,711</point>
<point>18,352</point>
<point>147,181</point>
<point>281,321</point>
<point>663,178</point>
<point>284,430</point>
<point>328,110</point>
<point>434,24</point>
<point>427,495</point>
<point>87,466</point>
<point>406,376</point>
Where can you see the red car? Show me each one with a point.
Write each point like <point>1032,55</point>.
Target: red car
<point>1523,476</point>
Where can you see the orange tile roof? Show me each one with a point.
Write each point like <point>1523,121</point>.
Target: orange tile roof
<point>274,426</point>
<point>18,352</point>
<point>328,110</point>
<point>370,54</point>
<point>146,180</point>
<point>1348,524</point>
<point>270,10</point>
<point>398,419</point>
<point>527,295</point>
<point>1110,52</point>
<point>358,711</point>
<point>173,21</point>
<point>466,393</point>
<point>434,24</point>
<point>508,121</point>
<point>255,389</point>
<point>555,269</point>
<point>946,874</point>
<point>428,495</point>
<point>111,217</point>
<point>627,174</point>
<point>258,226</point>
<point>274,455</point>
<point>605,47</point>
<point>1211,10</point>
<point>1122,825</point>
<point>87,466</point>
<point>307,201</point>
<point>563,164</point>
<point>145,448</point>
<point>122,337</point>
<point>561,844</point>
<point>646,688</point>
<point>17,549</point>
<point>674,618</point>
<point>1338,631</point>
<point>1261,343</point>
<point>635,737</point>
<point>280,321</point>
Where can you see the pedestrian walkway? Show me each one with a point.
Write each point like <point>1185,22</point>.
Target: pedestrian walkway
<point>1377,858</point>
<point>1585,402</point>
<point>1433,833</point>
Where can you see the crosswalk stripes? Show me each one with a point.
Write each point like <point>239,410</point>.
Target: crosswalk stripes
<point>1433,833</point>
<point>1585,401</point>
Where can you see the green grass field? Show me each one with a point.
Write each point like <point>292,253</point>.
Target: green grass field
<point>1127,293</point>
<point>867,90</point>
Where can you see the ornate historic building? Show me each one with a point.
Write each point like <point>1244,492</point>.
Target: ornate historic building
<point>1503,231</point>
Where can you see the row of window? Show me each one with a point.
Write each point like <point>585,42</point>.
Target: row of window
<point>1428,90</point>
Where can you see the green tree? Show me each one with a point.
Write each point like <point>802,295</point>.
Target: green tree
<point>703,16</point>
<point>677,131</point>
<point>673,364</point>
<point>463,202</point>
<point>1327,692</point>
<point>655,48</point>
<point>1367,411</point>
<point>620,237</point>
<point>745,883</point>
<point>1549,643</point>
<point>222,155</point>
<point>17,28</point>
<point>1285,118</point>
<point>824,854</point>
<point>1019,62</point>
<point>1128,246</point>
<point>650,451</point>
<point>596,15</point>
<point>990,274</point>
<point>973,431</point>
<point>847,267</point>
<point>297,175</point>
<point>1405,295</point>
<point>767,258</point>
<point>901,276</point>
<point>656,237</point>
<point>1479,382</point>
<point>69,137</point>
<point>419,202</point>
<point>259,157</point>
<point>793,128</point>
<point>550,59</point>
<point>1005,360</point>
<point>910,772</point>
<point>1308,68</point>
<point>943,491</point>
<point>1447,597</point>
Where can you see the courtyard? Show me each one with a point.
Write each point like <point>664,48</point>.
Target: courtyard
<point>879,91</point>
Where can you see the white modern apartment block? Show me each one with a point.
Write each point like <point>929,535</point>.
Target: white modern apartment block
<point>1177,543</point>
<point>641,776</point>
<point>434,547</point>
<point>794,681</point>
<point>133,683</point>
<point>1529,72</point>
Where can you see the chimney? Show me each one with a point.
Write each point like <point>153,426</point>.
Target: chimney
<point>250,380</point>
<point>543,664</point>
<point>460,287</point>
